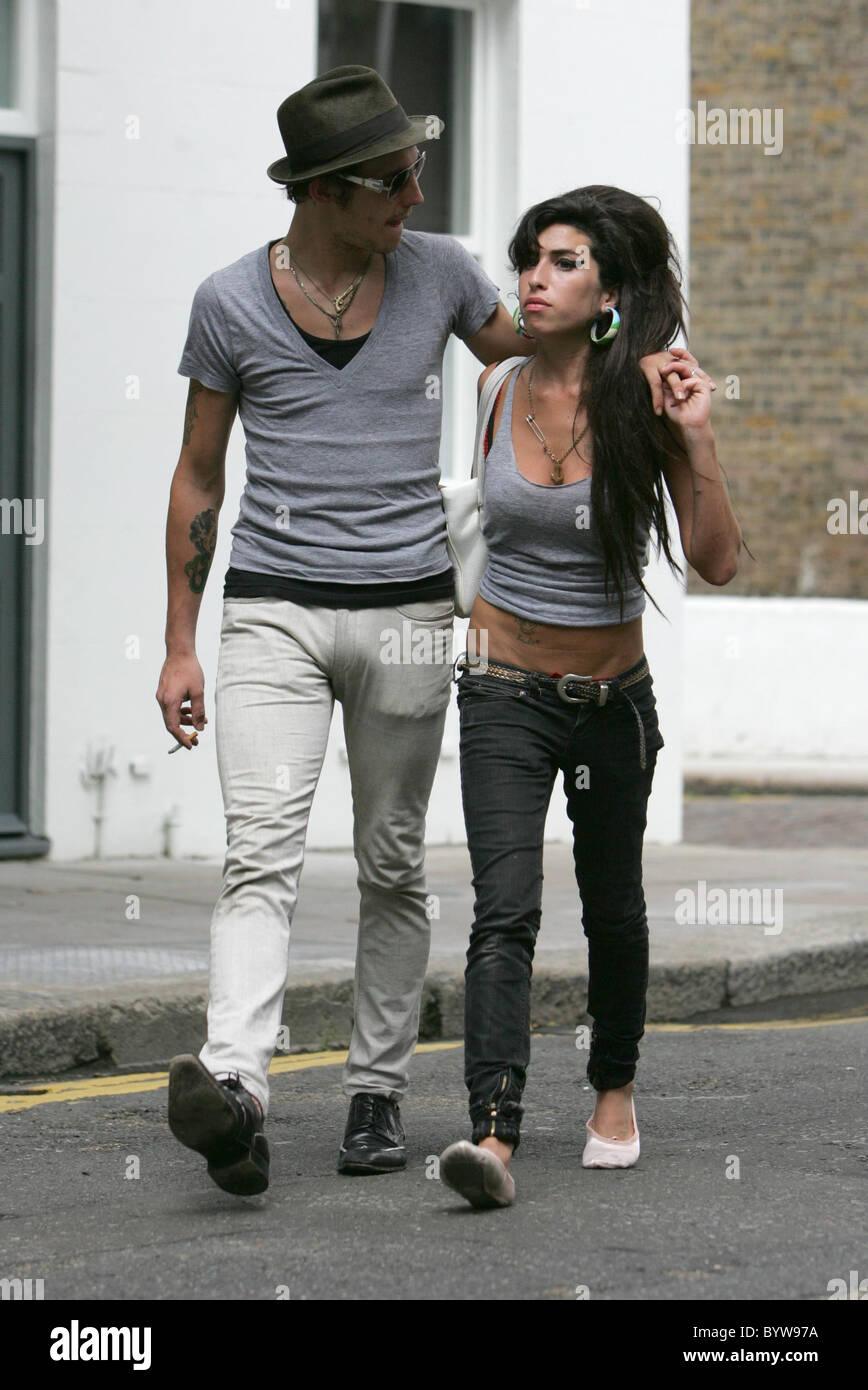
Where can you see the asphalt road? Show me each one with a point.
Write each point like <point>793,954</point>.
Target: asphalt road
<point>786,1100</point>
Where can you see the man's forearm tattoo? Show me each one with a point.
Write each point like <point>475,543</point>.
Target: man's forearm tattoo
<point>203,534</point>
<point>526,631</point>
<point>191,414</point>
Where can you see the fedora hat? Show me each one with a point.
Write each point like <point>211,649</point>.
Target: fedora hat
<point>342,117</point>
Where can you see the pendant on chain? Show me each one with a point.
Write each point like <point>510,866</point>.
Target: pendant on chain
<point>557,474</point>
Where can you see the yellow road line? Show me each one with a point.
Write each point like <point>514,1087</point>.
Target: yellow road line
<point>85,1090</point>
<point>749,1027</point>
<point>88,1088</point>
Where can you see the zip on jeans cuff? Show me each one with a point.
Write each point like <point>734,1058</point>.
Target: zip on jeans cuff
<point>500,1118</point>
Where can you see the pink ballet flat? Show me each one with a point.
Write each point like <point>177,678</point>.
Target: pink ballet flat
<point>477,1174</point>
<point>611,1153</point>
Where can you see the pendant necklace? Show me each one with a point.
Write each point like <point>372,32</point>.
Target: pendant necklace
<point>341,302</point>
<point>557,473</point>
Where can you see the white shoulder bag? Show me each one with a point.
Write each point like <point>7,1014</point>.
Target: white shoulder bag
<point>462,503</point>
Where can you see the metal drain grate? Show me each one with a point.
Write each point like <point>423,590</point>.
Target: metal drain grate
<point>78,964</point>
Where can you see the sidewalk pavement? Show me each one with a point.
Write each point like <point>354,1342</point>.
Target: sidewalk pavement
<point>106,962</point>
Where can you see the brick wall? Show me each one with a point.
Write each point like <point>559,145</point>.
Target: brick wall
<point>779,283</point>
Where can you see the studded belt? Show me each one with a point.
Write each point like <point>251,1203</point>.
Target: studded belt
<point>572,689</point>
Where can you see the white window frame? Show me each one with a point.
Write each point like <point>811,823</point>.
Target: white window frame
<point>460,368</point>
<point>493,179</point>
<point>22,118</point>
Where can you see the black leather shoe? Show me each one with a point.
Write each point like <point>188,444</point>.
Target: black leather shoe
<point>373,1138</point>
<point>222,1121</point>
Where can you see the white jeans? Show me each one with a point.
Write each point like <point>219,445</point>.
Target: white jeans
<point>282,665</point>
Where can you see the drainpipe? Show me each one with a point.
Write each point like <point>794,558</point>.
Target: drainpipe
<point>170,820</point>
<point>96,768</point>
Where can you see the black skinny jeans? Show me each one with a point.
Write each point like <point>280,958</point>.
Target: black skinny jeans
<point>514,741</point>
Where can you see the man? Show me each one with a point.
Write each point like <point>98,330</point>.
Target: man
<point>325,342</point>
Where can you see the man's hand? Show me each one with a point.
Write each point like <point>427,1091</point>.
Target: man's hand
<point>664,372</point>
<point>181,680</point>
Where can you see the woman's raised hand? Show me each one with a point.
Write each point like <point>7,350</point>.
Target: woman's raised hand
<point>666,373</point>
<point>687,402</point>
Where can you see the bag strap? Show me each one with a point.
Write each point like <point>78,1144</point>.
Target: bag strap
<point>488,437</point>
<point>486,401</point>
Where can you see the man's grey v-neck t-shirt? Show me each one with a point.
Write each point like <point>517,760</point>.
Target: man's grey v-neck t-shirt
<point>342,463</point>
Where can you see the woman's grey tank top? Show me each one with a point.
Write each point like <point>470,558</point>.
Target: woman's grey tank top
<point>545,560</point>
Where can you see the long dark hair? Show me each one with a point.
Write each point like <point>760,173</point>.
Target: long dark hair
<point>636,255</point>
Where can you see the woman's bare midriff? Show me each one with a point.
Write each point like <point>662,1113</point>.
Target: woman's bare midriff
<point>595,652</point>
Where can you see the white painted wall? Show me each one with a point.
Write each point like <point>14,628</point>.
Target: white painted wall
<point>775,687</point>
<point>139,223</point>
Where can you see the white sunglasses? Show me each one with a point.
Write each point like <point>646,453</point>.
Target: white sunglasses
<point>396,183</point>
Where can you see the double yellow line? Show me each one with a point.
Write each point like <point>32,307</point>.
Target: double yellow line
<point>89,1088</point>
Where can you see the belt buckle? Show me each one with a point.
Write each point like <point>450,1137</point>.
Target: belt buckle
<point>461,665</point>
<point>599,699</point>
<point>571,699</point>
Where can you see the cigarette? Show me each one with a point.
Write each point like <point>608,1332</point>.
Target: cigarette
<point>195,740</point>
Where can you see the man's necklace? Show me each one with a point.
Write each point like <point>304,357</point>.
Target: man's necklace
<point>341,302</point>
<point>557,473</point>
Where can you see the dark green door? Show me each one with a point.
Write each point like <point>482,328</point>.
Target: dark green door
<point>17,504</point>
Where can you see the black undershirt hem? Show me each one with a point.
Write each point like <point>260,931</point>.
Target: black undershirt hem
<point>246,584</point>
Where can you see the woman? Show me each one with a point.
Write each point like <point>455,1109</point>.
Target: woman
<point>574,483</point>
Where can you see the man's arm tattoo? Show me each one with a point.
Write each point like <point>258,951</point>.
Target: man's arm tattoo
<point>203,534</point>
<point>191,414</point>
<point>526,630</point>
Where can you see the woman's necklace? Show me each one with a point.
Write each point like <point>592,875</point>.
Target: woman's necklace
<point>557,473</point>
<point>342,302</point>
